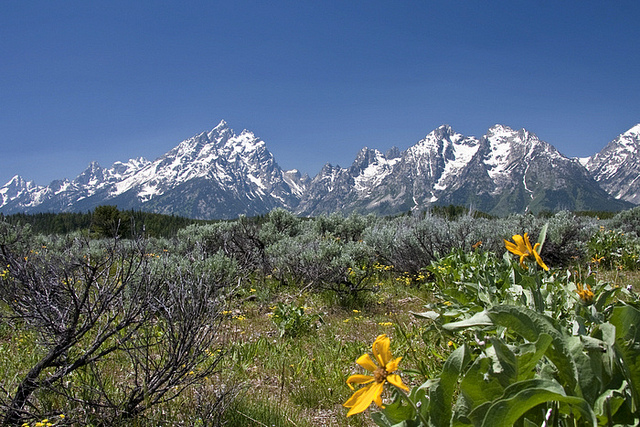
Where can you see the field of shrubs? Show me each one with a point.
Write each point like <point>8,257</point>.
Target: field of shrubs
<point>441,318</point>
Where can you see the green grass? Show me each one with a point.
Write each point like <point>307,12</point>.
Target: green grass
<point>301,380</point>
<point>288,381</point>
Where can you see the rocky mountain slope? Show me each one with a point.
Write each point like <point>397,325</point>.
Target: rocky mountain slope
<point>504,171</point>
<point>219,174</point>
<point>617,167</point>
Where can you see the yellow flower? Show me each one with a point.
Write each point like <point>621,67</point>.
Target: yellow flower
<point>522,247</point>
<point>586,294</point>
<point>382,372</point>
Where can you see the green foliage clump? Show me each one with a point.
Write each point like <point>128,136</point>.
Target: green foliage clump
<point>538,348</point>
<point>293,320</point>
<point>614,249</point>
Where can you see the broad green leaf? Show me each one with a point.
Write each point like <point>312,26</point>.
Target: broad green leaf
<point>488,376</point>
<point>524,395</point>
<point>380,420</point>
<point>589,367</point>
<point>626,320</point>
<point>609,402</point>
<point>530,355</point>
<point>441,393</point>
<point>478,319</point>
<point>431,315</point>
<point>398,411</point>
<point>529,324</point>
<point>478,387</point>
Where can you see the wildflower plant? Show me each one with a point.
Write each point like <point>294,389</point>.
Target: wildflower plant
<point>522,247</point>
<point>382,371</point>
<point>537,347</point>
<point>293,320</point>
<point>613,249</point>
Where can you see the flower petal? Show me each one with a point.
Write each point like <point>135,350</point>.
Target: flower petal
<point>356,397</point>
<point>381,350</point>
<point>362,398</point>
<point>522,247</point>
<point>511,247</point>
<point>366,362</point>
<point>392,365</point>
<point>539,260</point>
<point>527,243</point>
<point>397,381</point>
<point>359,379</point>
<point>378,401</point>
<point>522,261</point>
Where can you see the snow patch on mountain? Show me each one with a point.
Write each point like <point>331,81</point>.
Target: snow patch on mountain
<point>459,152</point>
<point>374,173</point>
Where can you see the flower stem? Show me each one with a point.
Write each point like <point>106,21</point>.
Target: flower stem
<point>413,405</point>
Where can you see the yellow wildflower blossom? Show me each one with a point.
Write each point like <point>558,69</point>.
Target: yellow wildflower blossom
<point>522,247</point>
<point>586,294</point>
<point>382,373</point>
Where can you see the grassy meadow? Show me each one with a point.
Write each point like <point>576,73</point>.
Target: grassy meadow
<point>259,322</point>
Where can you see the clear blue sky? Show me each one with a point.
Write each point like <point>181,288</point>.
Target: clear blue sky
<point>316,80</point>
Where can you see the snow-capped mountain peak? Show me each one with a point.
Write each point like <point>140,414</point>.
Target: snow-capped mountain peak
<point>617,167</point>
<point>221,174</point>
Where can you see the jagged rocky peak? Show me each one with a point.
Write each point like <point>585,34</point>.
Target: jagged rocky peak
<point>365,157</point>
<point>94,173</point>
<point>393,153</point>
<point>16,186</point>
<point>435,140</point>
<point>617,167</point>
<point>506,142</point>
<point>630,140</point>
<point>441,132</point>
<point>221,133</point>
<point>247,141</point>
<point>129,166</point>
<point>16,181</point>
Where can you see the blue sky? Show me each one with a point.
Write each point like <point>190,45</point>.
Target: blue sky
<point>106,81</point>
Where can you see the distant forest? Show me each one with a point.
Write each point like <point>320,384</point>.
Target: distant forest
<point>105,221</point>
<point>108,221</point>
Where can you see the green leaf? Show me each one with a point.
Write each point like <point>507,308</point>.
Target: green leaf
<point>490,374</point>
<point>524,395</point>
<point>431,315</point>
<point>627,345</point>
<point>478,387</point>
<point>542,236</point>
<point>442,391</point>
<point>478,319</point>
<point>398,411</point>
<point>609,402</point>
<point>530,355</point>
<point>589,366</point>
<point>530,324</point>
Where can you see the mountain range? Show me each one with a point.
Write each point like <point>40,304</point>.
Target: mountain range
<point>219,174</point>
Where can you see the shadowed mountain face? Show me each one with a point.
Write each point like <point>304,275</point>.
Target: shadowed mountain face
<point>219,174</point>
